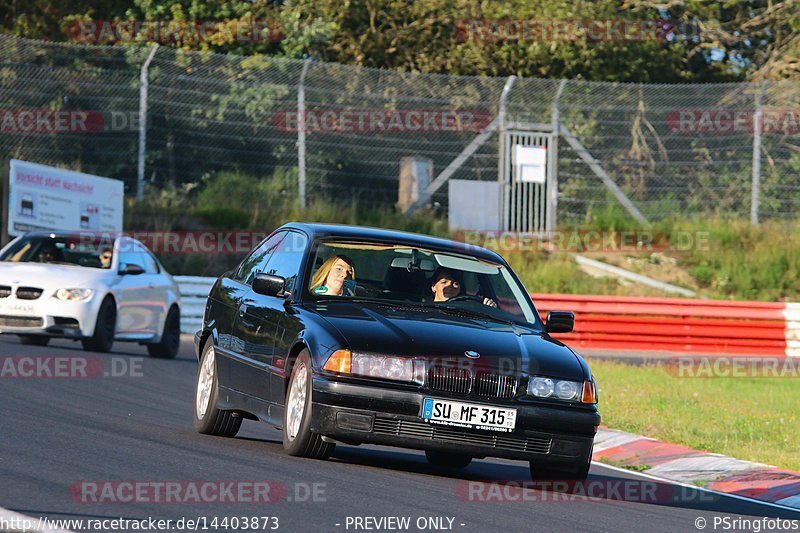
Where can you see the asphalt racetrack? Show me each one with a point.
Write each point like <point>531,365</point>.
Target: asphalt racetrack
<point>105,443</point>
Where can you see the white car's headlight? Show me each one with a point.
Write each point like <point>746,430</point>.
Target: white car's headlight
<point>74,294</point>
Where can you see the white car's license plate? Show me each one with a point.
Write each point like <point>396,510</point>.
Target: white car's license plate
<point>468,415</point>
<point>16,308</point>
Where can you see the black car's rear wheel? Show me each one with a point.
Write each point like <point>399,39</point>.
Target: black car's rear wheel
<point>34,340</point>
<point>447,459</point>
<point>208,418</point>
<point>298,439</point>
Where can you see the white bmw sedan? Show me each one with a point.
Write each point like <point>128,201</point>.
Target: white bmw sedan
<point>89,288</point>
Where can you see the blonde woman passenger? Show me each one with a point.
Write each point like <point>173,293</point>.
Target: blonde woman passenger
<point>330,279</point>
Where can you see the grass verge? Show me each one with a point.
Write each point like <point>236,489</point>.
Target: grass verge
<point>745,418</point>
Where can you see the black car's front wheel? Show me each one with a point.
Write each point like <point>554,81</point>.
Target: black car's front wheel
<point>208,418</point>
<point>298,439</point>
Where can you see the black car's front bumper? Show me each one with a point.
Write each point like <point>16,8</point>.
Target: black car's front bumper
<point>358,414</point>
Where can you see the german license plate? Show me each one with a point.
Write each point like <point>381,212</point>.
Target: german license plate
<point>468,415</point>
<point>16,308</point>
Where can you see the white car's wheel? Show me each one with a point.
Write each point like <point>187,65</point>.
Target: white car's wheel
<point>208,418</point>
<point>104,329</point>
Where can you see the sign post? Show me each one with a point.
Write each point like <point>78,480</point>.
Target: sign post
<point>4,237</point>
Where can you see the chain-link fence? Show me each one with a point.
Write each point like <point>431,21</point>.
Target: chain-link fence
<point>343,130</point>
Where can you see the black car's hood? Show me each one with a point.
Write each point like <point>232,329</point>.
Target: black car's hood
<point>431,332</point>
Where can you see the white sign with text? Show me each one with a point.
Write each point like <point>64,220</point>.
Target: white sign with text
<point>49,198</point>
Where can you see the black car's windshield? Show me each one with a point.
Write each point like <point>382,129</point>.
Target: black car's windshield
<point>403,275</point>
<point>60,249</point>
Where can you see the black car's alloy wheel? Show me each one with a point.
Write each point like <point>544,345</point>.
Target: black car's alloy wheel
<point>298,439</point>
<point>208,418</point>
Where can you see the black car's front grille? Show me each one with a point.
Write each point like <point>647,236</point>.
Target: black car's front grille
<point>21,321</point>
<point>462,381</point>
<point>457,380</point>
<point>5,291</point>
<point>495,385</point>
<point>422,430</point>
<point>28,293</point>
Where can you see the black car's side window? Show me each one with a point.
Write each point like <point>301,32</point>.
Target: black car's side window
<point>257,260</point>
<point>287,257</point>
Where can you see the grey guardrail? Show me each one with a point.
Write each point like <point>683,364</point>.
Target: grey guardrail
<point>194,290</point>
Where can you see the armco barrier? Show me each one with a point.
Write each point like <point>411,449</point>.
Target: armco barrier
<point>194,290</point>
<point>678,324</point>
<point>628,323</point>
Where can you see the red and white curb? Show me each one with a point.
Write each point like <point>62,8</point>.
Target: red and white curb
<point>792,316</point>
<point>710,470</point>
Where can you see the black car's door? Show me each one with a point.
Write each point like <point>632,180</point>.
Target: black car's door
<point>246,338</point>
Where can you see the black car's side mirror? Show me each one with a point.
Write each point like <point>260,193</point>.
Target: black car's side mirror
<point>560,322</point>
<point>268,284</point>
<point>132,270</point>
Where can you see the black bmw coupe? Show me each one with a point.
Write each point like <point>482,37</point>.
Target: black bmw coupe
<point>343,334</point>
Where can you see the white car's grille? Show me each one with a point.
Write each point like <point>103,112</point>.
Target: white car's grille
<point>28,293</point>
<point>5,291</point>
<point>21,321</point>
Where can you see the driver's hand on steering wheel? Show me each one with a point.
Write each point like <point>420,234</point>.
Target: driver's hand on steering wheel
<point>489,302</point>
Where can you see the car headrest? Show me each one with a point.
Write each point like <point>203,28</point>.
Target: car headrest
<point>400,280</point>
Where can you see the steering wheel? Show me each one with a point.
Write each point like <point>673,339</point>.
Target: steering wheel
<point>466,298</point>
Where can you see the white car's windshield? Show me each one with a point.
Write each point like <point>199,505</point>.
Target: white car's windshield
<point>417,276</point>
<point>60,249</point>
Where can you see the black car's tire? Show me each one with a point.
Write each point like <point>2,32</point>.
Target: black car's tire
<point>170,342</point>
<point>298,439</point>
<point>34,340</point>
<point>208,419</point>
<point>542,472</point>
<point>448,460</point>
<point>104,330</point>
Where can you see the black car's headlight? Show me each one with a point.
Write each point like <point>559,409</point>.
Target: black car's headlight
<point>377,366</point>
<point>560,389</point>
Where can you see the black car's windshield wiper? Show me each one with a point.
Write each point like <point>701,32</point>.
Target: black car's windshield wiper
<point>482,314</point>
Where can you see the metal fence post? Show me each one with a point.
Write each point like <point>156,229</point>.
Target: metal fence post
<point>301,135</point>
<point>756,186</point>
<point>502,172</point>
<point>552,185</point>
<point>143,86</point>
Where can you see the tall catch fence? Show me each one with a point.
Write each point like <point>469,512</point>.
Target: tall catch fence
<point>339,133</point>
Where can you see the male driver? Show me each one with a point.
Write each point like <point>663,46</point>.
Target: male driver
<point>446,284</point>
<point>105,258</point>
